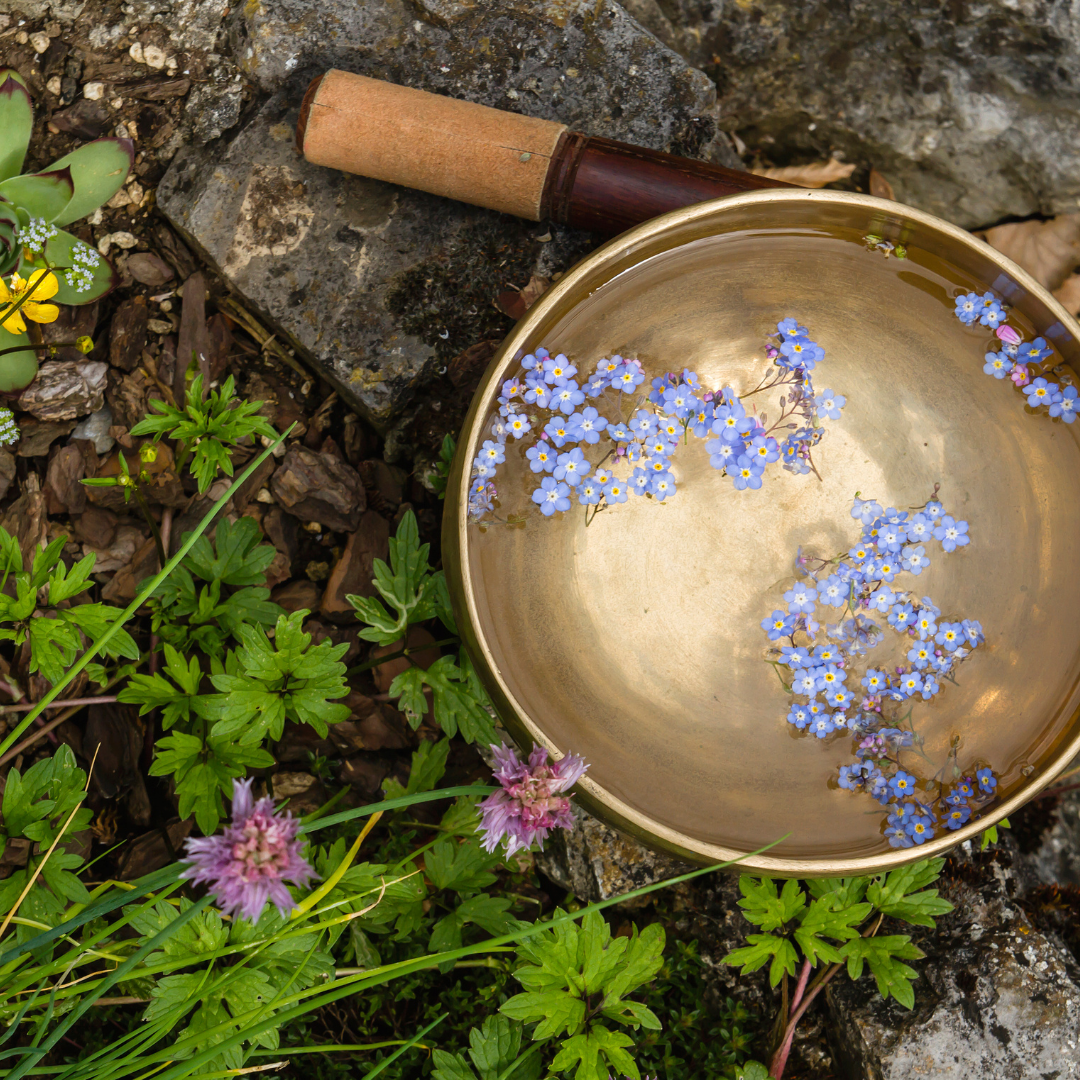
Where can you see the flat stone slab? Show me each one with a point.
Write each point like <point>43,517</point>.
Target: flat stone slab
<point>375,284</point>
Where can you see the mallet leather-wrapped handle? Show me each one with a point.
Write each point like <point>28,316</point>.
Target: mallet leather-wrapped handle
<point>535,169</point>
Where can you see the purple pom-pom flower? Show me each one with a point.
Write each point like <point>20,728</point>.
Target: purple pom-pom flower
<point>531,802</point>
<point>249,863</point>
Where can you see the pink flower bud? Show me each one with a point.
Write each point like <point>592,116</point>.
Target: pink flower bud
<point>1008,335</point>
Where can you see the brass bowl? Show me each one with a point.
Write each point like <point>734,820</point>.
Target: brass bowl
<point>636,641</point>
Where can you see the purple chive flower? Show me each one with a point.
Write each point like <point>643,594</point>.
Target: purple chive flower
<point>531,802</point>
<point>249,863</point>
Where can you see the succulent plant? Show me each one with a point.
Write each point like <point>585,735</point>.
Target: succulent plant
<point>33,209</point>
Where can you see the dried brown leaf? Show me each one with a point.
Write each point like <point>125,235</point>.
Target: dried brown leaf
<point>880,187</point>
<point>1069,294</point>
<point>1048,250</point>
<point>815,175</point>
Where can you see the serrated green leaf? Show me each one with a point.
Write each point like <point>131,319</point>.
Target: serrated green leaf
<point>884,955</point>
<point>408,688</point>
<point>450,1066</point>
<point>428,766</point>
<point>555,1010</point>
<point>595,1053</point>
<point>494,1046</point>
<point>764,907</point>
<point>761,949</point>
<point>897,894</point>
<point>827,917</point>
<point>463,867</point>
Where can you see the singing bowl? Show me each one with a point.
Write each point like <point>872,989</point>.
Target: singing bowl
<point>636,641</point>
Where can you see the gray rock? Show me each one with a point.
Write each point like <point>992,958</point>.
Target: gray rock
<point>596,862</point>
<point>970,111</point>
<point>996,996</point>
<point>95,428</point>
<point>375,284</point>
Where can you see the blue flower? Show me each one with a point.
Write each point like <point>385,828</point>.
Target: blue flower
<point>679,400</point>
<point>920,656</point>
<point>589,492</point>
<point>615,491</point>
<point>950,636</point>
<point>791,328</point>
<point>721,453</point>
<point>805,682</point>
<point>890,538</point>
<point>531,361</point>
<point>826,654</point>
<point>885,568</point>
<point>538,393</point>
<point>800,598</point>
<point>619,432</point>
<point>658,446</point>
<point>883,599</point>
<point>901,616</point>
<point>628,377</point>
<point>865,510</point>
<point>925,624</point>
<point>930,687</point>
<point>591,424</point>
<point>833,591</point>
<point>662,486</point>
<point>794,657</point>
<point>992,314</point>
<point>747,473</point>
<point>701,420</point>
<point>801,352</point>
<point>919,529</point>
<point>957,816</point>
<point>830,676</point>
<point>829,404</point>
<point>558,367</point>
<point>572,467</point>
<point>551,495</point>
<point>998,364</point>
<point>493,453</point>
<point>839,697</point>
<point>567,397</point>
<point>595,385</point>
<point>763,449</point>
<point>643,424</point>
<point>560,431</point>
<point>671,429</point>
<point>968,308</point>
<point>919,828</point>
<point>778,624</point>
<point>799,716</point>
<point>731,422</point>
<point>973,631</point>
<point>518,425</point>
<point>914,559</point>
<point>822,726</point>
<point>965,789</point>
<point>1066,404</point>
<point>911,683</point>
<point>1034,352</point>
<point>933,510</point>
<point>874,680</point>
<point>902,784</point>
<point>482,469</point>
<point>1041,392</point>
<point>987,782</point>
<point>952,534</point>
<point>541,459</point>
<point>638,482</point>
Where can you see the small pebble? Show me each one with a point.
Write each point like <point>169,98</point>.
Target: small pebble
<point>159,326</point>
<point>136,193</point>
<point>117,103</point>
<point>121,239</point>
<point>263,495</point>
<point>22,37</point>
<point>53,86</point>
<point>154,57</point>
<point>39,41</point>
<point>94,91</point>
<point>136,53</point>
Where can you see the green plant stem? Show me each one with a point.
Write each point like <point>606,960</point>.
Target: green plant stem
<point>407,651</point>
<point>45,346</point>
<point>144,595</point>
<point>144,506</point>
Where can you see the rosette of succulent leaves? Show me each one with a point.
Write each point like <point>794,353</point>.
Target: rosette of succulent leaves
<point>34,208</point>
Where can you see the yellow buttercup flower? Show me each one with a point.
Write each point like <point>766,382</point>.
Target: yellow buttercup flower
<point>40,286</point>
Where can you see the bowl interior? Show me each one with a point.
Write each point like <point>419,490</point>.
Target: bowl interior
<point>636,640</point>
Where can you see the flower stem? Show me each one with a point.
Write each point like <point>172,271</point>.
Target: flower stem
<point>45,346</point>
<point>407,651</point>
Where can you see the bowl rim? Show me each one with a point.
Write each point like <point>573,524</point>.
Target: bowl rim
<point>591,795</point>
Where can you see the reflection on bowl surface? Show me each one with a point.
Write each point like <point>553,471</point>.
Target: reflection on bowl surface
<point>636,641</point>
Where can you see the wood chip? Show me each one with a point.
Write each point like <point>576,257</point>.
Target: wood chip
<point>1048,250</point>
<point>815,175</point>
<point>879,186</point>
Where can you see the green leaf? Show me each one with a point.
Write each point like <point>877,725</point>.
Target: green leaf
<point>495,1046</point>
<point>428,766</point>
<point>60,252</point>
<point>827,917</point>
<point>896,894</point>
<point>884,955</point>
<point>40,195</point>
<point>456,708</point>
<point>237,556</point>
<point>17,370</point>
<point>463,867</point>
<point>450,1066</point>
<point>408,687</point>
<point>764,907</point>
<point>847,891</point>
<point>16,122</point>
<point>595,1053</point>
<point>556,1010</point>
<point>643,959</point>
<point>98,170</point>
<point>759,951</point>
<point>752,1070</point>
<point>174,995</point>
